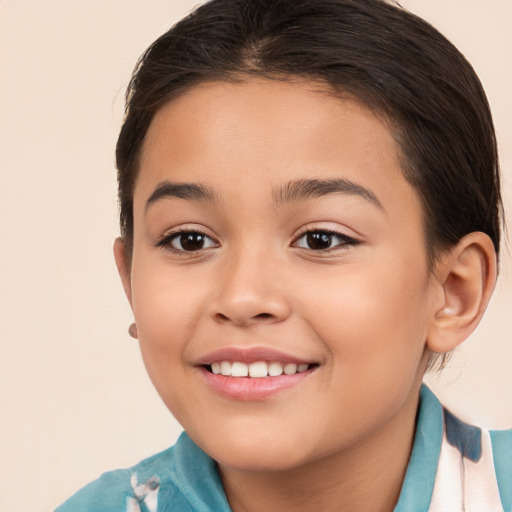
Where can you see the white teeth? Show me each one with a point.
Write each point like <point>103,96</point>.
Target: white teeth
<point>259,369</point>
<point>239,370</point>
<point>290,369</point>
<point>275,369</point>
<point>225,368</point>
<point>256,370</point>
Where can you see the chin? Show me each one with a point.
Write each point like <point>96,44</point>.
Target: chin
<point>259,461</point>
<point>263,451</point>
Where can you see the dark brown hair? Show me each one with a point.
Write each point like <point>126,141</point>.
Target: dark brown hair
<point>391,60</point>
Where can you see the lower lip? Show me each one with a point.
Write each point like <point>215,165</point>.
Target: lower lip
<point>252,388</point>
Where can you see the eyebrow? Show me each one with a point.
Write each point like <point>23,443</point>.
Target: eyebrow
<point>313,188</point>
<point>190,191</point>
<point>295,190</point>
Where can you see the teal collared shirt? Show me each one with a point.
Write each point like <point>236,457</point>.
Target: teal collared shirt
<point>453,467</point>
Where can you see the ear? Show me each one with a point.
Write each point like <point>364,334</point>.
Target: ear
<point>466,275</point>
<point>123,266</point>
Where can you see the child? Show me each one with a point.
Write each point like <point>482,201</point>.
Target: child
<point>310,218</point>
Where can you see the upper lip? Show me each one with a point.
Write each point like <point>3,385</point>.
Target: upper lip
<point>250,355</point>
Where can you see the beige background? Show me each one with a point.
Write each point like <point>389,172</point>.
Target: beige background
<point>75,399</point>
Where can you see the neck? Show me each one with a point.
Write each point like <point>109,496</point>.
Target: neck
<point>367,476</point>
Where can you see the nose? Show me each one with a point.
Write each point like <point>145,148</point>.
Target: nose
<point>249,292</point>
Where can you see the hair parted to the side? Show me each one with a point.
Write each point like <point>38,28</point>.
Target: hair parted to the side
<point>391,60</point>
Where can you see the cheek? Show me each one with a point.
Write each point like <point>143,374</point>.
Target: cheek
<point>165,300</point>
<point>167,307</point>
<point>374,326</point>
<point>165,310</point>
<point>370,314</point>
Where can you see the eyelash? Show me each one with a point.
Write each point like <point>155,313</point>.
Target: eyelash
<point>344,241</point>
<point>166,241</point>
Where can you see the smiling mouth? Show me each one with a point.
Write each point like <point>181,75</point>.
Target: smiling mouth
<point>258,369</point>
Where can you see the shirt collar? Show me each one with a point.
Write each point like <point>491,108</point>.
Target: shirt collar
<point>420,476</point>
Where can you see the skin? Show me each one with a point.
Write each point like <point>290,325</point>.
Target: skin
<point>367,312</point>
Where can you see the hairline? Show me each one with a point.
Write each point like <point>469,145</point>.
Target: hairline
<point>379,108</point>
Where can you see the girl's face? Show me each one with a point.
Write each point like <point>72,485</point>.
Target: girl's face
<point>273,225</point>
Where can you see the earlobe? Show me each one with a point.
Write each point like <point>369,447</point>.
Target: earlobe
<point>123,266</point>
<point>466,275</point>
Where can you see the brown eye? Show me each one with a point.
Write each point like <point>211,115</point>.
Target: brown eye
<point>324,240</point>
<point>319,241</point>
<point>190,241</point>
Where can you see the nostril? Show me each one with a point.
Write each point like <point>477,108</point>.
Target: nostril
<point>263,316</point>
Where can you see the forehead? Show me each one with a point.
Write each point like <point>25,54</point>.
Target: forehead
<point>261,133</point>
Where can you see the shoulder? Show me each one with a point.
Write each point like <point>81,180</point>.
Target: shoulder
<point>455,466</point>
<point>125,489</point>
<point>182,476</point>
<point>475,466</point>
<point>475,444</point>
<point>501,442</point>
